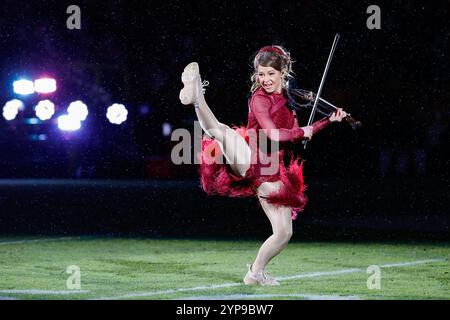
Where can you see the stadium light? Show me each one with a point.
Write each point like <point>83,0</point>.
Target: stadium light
<point>9,114</point>
<point>23,87</point>
<point>45,110</point>
<point>12,108</point>
<point>45,85</point>
<point>68,123</point>
<point>117,113</point>
<point>78,109</point>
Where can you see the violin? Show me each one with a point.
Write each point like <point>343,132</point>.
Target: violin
<point>323,106</point>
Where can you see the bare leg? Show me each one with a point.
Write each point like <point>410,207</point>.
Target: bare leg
<point>233,146</point>
<point>280,219</point>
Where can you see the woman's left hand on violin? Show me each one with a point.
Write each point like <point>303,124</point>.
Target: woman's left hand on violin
<point>338,115</point>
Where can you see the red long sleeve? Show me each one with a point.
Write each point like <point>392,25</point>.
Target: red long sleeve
<point>261,106</point>
<point>319,125</point>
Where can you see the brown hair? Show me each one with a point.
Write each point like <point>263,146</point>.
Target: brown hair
<point>273,56</point>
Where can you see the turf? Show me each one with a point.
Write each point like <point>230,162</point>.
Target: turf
<point>117,268</point>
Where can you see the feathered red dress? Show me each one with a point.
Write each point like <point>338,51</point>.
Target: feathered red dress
<point>266,112</point>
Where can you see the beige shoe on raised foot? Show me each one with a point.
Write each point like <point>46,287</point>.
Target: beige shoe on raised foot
<point>260,278</point>
<point>193,85</point>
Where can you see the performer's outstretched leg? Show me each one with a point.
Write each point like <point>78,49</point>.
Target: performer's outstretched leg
<point>232,145</point>
<point>281,221</point>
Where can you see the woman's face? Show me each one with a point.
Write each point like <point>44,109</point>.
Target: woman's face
<point>269,79</point>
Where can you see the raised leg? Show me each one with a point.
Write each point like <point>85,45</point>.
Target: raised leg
<point>234,148</point>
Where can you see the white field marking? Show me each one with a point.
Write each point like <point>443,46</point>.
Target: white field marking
<point>171,291</point>
<point>412,263</point>
<point>320,274</point>
<point>3,243</point>
<point>8,298</point>
<point>262,296</point>
<point>353,270</point>
<point>49,292</point>
<point>236,284</point>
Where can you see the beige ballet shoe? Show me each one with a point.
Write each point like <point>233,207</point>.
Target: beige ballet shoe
<point>260,278</point>
<point>193,85</point>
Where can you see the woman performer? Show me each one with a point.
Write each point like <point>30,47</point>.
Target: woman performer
<point>246,171</point>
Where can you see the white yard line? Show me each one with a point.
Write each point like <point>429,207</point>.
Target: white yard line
<point>266,296</point>
<point>298,276</point>
<point>353,270</point>
<point>49,292</point>
<point>171,291</point>
<point>320,274</point>
<point>412,263</point>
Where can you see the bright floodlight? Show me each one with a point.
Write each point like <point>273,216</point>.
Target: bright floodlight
<point>45,110</point>
<point>11,109</point>
<point>45,85</point>
<point>23,87</point>
<point>78,109</point>
<point>117,113</point>
<point>9,114</point>
<point>14,104</point>
<point>68,123</point>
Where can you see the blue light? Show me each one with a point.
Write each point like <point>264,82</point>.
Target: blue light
<point>23,87</point>
<point>166,129</point>
<point>38,137</point>
<point>32,121</point>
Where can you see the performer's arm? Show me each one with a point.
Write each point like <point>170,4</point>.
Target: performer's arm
<point>321,124</point>
<point>260,108</point>
<point>317,126</point>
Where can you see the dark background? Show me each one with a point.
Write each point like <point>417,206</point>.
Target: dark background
<point>389,179</point>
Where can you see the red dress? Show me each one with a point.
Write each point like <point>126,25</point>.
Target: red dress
<point>266,112</point>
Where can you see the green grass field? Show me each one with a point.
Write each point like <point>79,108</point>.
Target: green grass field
<point>118,268</point>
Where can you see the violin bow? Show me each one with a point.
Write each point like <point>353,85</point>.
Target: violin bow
<point>313,111</point>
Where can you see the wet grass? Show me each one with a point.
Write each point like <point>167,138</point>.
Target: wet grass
<point>157,269</point>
